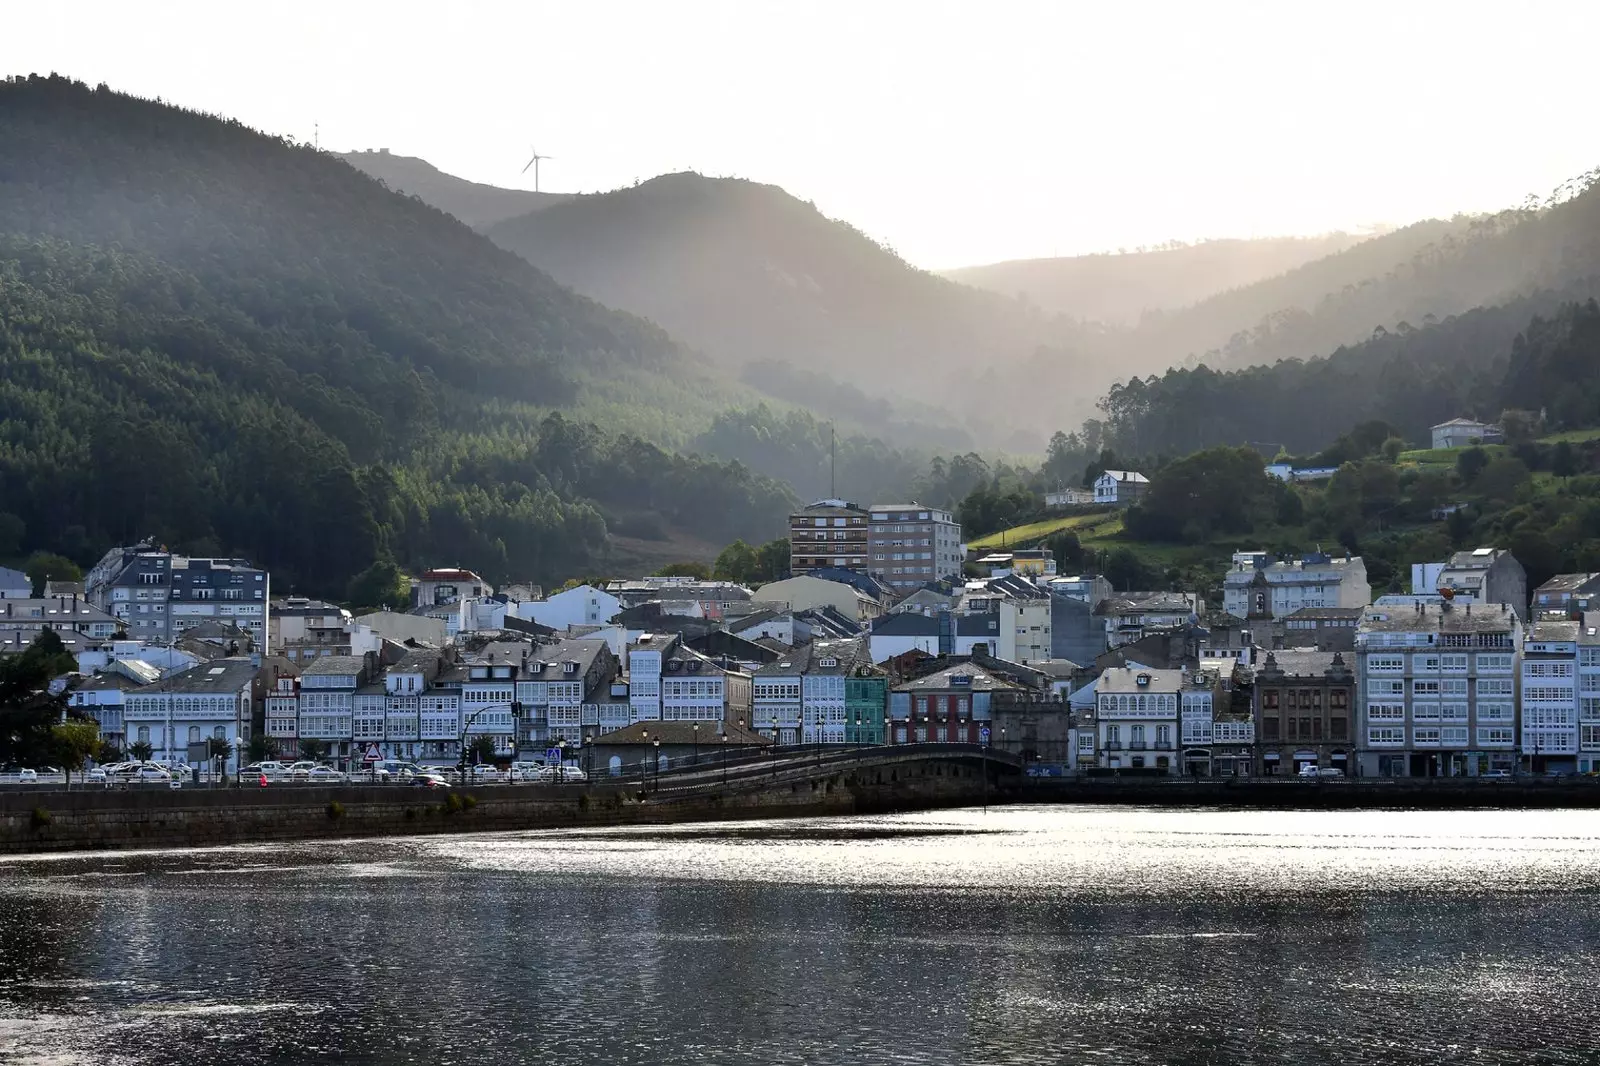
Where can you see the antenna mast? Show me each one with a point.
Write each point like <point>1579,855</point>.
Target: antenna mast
<point>832,491</point>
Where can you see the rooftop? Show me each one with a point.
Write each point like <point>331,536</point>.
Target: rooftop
<point>1119,679</point>
<point>1554,632</point>
<point>1326,613</point>
<point>962,676</point>
<point>335,665</point>
<point>1303,662</point>
<point>1566,583</point>
<point>1426,617</point>
<point>219,675</point>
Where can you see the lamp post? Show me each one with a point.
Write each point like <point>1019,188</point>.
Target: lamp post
<point>695,733</point>
<point>724,761</point>
<point>561,760</point>
<point>820,713</point>
<point>657,743</point>
<point>588,754</point>
<point>774,744</point>
<point>644,765</point>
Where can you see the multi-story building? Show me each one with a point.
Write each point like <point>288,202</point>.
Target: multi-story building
<point>1438,690</point>
<point>299,628</point>
<point>951,706</point>
<point>1589,693</point>
<point>1257,586</point>
<point>1121,487</point>
<point>1199,701</point>
<point>1304,709</point>
<point>328,703</point>
<point>14,584</point>
<point>1567,594</point>
<point>67,614</point>
<point>1322,628</point>
<point>564,693</point>
<point>102,698</point>
<point>157,595</point>
<point>645,668</point>
<point>1549,698</point>
<point>281,716</point>
<point>1486,576</point>
<point>581,605</point>
<point>488,694</point>
<point>911,545</point>
<point>776,696</point>
<point>697,688</point>
<point>446,586</point>
<point>1136,718</point>
<point>178,715</point>
<point>439,716</point>
<point>828,533</point>
<point>1131,617</point>
<point>866,699</point>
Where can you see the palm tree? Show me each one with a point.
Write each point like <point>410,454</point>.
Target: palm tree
<point>141,750</point>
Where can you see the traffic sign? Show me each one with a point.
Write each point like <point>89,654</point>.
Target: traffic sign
<point>553,754</point>
<point>373,754</point>
<point>984,732</point>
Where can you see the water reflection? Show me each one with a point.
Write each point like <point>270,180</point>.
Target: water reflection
<point>1040,935</point>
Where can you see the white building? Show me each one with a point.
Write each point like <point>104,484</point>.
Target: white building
<point>1068,498</point>
<point>1257,587</point>
<point>1549,698</point>
<point>1120,486</point>
<point>157,595</point>
<point>696,688</point>
<point>14,584</point>
<point>281,716</point>
<point>1131,617</point>
<point>777,698</point>
<point>1589,693</point>
<point>1137,719</point>
<point>487,695</point>
<point>582,605</point>
<point>1437,686</point>
<point>177,715</point>
<point>328,703</point>
<point>1464,432</point>
<point>1486,576</point>
<point>644,674</point>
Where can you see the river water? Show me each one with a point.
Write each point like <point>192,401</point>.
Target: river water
<point>1024,935</point>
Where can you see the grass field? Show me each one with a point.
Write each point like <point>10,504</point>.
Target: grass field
<point>1085,525</point>
<point>1571,436</point>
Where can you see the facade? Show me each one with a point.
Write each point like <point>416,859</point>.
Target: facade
<point>697,688</point>
<point>1589,694</point>
<point>1548,701</point>
<point>1438,690</point>
<point>1256,586</point>
<point>1322,628</point>
<point>328,704</point>
<point>896,634</point>
<point>447,586</point>
<point>298,620</point>
<point>1464,432</point>
<point>102,698</point>
<point>828,533</point>
<point>911,545</point>
<point>61,613</point>
<point>14,584</point>
<point>1568,594</point>
<point>1130,618</point>
<point>1068,498</point>
<point>564,692</point>
<point>488,698</point>
<point>1304,710</point>
<point>1486,576</point>
<point>157,595</point>
<point>1121,487</point>
<point>582,605</point>
<point>952,706</point>
<point>866,702</point>
<point>206,702</point>
<point>1136,718</point>
<point>281,716</point>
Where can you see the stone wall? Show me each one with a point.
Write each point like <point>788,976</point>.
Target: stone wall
<point>88,818</point>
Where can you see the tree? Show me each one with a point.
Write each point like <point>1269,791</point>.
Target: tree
<point>383,584</point>
<point>737,562</point>
<point>12,531</point>
<point>1067,550</point>
<point>1392,448</point>
<point>1501,478</point>
<point>772,559</point>
<point>141,750</point>
<point>689,568</point>
<point>1127,572</point>
<point>261,747</point>
<point>218,751</point>
<point>482,750</point>
<point>1220,490</point>
<point>314,750</point>
<point>1519,426</point>
<point>75,740</point>
<point>44,567</point>
<point>1470,463</point>
<point>1563,459</point>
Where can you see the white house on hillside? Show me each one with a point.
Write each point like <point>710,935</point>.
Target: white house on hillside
<point>1120,486</point>
<point>1462,432</point>
<point>582,605</point>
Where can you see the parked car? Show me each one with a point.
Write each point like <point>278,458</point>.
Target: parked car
<point>1310,769</point>
<point>96,775</point>
<point>429,780</point>
<point>150,773</point>
<point>268,769</point>
<point>564,775</point>
<point>1497,775</point>
<point>300,771</point>
<point>1329,771</point>
<point>18,775</point>
<point>488,775</point>
<point>325,775</point>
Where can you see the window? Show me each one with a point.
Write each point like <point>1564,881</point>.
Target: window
<point>194,734</point>
<point>1377,735</point>
<point>144,734</point>
<point>1386,712</point>
<point>1425,735</point>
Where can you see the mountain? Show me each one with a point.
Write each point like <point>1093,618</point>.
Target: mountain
<point>1119,288</point>
<point>237,344</point>
<point>749,274</point>
<point>474,203</point>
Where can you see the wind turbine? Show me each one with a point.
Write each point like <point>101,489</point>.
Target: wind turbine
<point>534,163</point>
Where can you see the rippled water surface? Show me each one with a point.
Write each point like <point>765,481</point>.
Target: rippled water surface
<point>1028,935</point>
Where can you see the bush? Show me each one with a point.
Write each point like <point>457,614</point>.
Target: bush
<point>42,817</point>
<point>452,804</point>
<point>469,801</point>
<point>411,814</point>
<point>335,811</point>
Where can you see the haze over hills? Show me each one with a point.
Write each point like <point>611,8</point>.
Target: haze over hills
<point>749,274</point>
<point>233,343</point>
<point>1118,288</point>
<point>474,203</point>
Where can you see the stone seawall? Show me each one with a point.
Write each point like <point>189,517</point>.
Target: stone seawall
<point>88,819</point>
<point>1288,793</point>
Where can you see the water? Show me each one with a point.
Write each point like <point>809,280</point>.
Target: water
<point>1028,935</point>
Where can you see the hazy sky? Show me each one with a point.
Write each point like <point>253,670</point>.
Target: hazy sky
<point>958,133</point>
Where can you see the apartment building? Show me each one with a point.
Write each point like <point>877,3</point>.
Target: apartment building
<point>178,715</point>
<point>1548,701</point>
<point>1486,576</point>
<point>156,595</point>
<point>1137,719</point>
<point>828,533</point>
<point>1257,586</point>
<point>1438,689</point>
<point>911,545</point>
<point>1304,703</point>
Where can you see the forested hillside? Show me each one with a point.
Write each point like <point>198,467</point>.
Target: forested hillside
<point>476,204</point>
<point>1120,288</point>
<point>749,274</point>
<point>233,343</point>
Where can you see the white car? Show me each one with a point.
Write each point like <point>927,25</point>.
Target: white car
<point>97,775</point>
<point>300,771</point>
<point>325,775</point>
<point>150,773</point>
<point>565,775</point>
<point>488,775</point>
<point>19,776</point>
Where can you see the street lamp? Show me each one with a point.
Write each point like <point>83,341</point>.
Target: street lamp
<point>657,743</point>
<point>724,760</point>
<point>774,744</point>
<point>695,731</point>
<point>644,764</point>
<point>588,754</point>
<point>561,760</point>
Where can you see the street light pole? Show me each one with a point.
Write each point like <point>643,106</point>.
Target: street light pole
<point>658,764</point>
<point>695,731</point>
<point>644,766</point>
<point>774,745</point>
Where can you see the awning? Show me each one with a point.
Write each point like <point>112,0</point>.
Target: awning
<point>1271,755</point>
